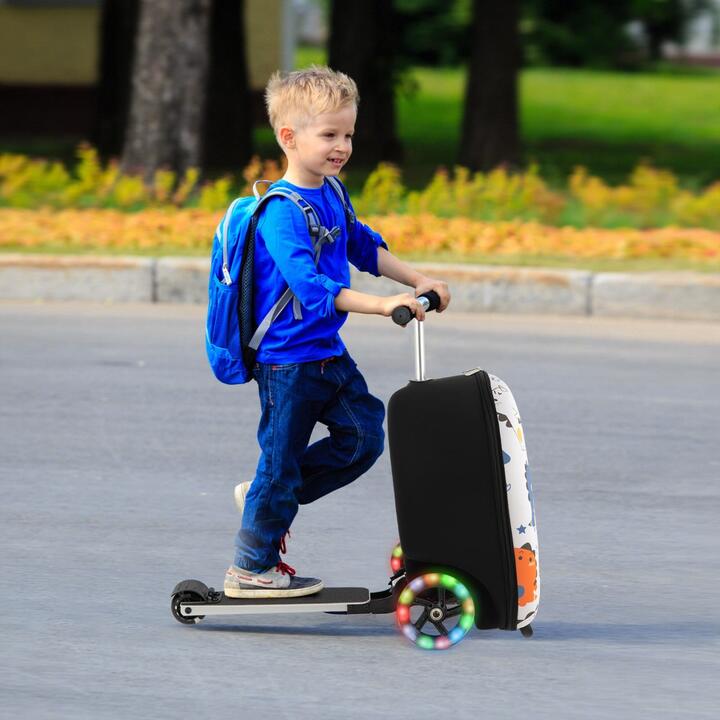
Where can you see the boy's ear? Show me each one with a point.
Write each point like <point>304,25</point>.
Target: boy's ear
<point>286,135</point>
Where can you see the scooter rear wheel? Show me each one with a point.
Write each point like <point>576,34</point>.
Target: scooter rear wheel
<point>185,597</point>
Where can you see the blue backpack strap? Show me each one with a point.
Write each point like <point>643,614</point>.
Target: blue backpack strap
<point>311,218</point>
<point>339,188</point>
<point>224,232</point>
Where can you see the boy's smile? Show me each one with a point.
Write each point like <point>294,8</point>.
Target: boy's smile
<point>320,148</point>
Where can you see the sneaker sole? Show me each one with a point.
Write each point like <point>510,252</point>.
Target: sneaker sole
<point>256,592</point>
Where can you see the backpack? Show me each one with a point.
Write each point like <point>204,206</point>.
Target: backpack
<point>231,337</point>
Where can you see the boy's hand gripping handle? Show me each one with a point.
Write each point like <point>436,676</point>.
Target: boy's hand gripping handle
<point>403,315</point>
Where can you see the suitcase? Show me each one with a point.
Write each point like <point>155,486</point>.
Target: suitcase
<point>463,494</point>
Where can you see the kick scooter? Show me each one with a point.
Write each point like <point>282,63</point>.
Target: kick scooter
<point>436,604</point>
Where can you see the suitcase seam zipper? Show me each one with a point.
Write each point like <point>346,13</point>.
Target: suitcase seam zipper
<point>500,499</point>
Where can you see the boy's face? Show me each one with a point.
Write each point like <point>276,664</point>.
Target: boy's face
<point>321,147</point>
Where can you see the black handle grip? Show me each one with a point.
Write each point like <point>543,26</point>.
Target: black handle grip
<point>402,315</point>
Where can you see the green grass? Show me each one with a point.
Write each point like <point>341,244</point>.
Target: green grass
<point>606,121</point>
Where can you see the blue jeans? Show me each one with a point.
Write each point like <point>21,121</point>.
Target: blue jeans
<point>293,398</point>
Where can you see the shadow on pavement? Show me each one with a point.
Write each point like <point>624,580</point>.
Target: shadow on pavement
<point>306,630</point>
<point>615,633</point>
<point>679,631</point>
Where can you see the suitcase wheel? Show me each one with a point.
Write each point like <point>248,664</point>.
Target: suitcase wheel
<point>397,559</point>
<point>527,631</point>
<point>435,611</point>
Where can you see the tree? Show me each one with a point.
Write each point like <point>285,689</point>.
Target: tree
<point>594,33</point>
<point>168,88</point>
<point>667,20</point>
<point>432,32</point>
<point>228,119</point>
<point>591,33</point>
<point>362,45</point>
<point>490,135</point>
<point>118,29</point>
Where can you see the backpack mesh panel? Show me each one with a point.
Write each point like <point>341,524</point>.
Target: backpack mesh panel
<point>246,314</point>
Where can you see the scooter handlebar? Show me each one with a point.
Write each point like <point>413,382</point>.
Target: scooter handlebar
<point>402,314</point>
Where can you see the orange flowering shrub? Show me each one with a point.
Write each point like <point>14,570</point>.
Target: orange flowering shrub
<point>155,230</point>
<point>430,234</point>
<point>190,231</point>
<point>496,195</point>
<point>650,198</point>
<point>30,183</point>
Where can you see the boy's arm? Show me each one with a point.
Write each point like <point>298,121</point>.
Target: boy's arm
<point>284,232</point>
<point>353,301</point>
<point>368,252</point>
<point>391,267</point>
<point>395,269</point>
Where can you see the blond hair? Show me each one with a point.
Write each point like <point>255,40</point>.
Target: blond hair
<point>301,95</point>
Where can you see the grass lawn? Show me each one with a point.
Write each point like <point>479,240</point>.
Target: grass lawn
<point>607,121</point>
<point>604,120</point>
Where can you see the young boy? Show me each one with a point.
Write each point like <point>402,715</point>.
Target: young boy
<point>304,373</point>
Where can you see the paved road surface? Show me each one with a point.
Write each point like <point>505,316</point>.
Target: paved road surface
<point>119,455</point>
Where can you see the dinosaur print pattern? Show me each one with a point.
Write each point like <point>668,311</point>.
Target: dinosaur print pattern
<point>521,501</point>
<point>526,571</point>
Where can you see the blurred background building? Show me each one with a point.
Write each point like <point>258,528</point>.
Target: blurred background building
<point>51,56</point>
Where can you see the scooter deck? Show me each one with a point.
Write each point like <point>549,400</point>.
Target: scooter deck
<point>327,600</point>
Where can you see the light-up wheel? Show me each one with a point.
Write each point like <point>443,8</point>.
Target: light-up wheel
<point>435,611</point>
<point>397,559</point>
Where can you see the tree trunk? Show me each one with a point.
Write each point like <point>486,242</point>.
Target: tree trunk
<point>228,119</point>
<point>118,29</point>
<point>490,125</point>
<point>362,46</point>
<point>168,91</point>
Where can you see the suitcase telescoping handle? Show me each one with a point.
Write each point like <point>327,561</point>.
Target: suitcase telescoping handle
<point>403,315</point>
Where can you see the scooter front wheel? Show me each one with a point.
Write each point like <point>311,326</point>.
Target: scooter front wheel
<point>435,611</point>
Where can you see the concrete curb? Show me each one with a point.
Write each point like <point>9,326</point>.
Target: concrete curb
<point>682,296</point>
<point>475,288</point>
<point>77,277</point>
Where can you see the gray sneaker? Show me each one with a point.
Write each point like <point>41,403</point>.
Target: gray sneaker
<point>277,582</point>
<point>241,491</point>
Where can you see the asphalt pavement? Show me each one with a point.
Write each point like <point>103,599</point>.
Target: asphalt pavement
<point>118,456</point>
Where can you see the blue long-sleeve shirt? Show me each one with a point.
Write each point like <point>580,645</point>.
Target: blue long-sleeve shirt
<point>284,257</point>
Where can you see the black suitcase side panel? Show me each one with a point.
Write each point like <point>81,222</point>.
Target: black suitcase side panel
<point>449,487</point>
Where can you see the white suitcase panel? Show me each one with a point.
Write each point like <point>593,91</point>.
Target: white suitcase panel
<point>521,502</point>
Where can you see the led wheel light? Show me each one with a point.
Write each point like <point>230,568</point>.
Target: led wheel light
<point>435,611</point>
<point>397,559</point>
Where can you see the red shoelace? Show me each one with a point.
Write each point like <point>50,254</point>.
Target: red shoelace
<point>285,569</point>
<point>283,547</point>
